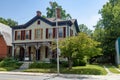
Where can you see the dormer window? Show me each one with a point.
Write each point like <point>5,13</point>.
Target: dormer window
<point>38,22</point>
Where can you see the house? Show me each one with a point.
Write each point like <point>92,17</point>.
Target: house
<point>5,41</point>
<point>32,40</point>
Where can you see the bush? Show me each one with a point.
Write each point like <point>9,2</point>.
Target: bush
<point>42,65</point>
<point>78,62</point>
<point>53,61</point>
<point>10,62</point>
<point>64,63</point>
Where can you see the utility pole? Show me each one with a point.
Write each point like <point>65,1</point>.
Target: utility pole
<point>58,72</point>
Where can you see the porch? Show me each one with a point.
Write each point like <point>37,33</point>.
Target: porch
<point>33,52</point>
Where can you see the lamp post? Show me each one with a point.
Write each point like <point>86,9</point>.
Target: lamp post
<point>58,72</point>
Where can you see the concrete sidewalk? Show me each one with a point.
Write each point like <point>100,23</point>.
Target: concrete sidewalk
<point>51,74</point>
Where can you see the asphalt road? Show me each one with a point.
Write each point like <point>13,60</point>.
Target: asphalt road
<point>6,76</point>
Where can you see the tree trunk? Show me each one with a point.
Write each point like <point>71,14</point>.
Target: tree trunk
<point>70,63</point>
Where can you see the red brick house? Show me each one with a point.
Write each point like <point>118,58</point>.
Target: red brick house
<point>5,41</point>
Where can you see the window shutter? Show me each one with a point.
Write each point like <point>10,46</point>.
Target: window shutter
<point>47,33</point>
<point>41,33</point>
<point>23,34</point>
<point>64,32</point>
<point>30,34</point>
<point>15,35</point>
<point>35,34</point>
<point>54,31</point>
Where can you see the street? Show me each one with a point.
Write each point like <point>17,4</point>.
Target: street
<point>42,76</point>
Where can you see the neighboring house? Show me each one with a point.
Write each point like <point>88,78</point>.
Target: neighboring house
<point>5,41</point>
<point>32,41</point>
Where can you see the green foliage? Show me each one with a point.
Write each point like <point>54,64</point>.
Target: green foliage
<point>42,65</point>
<point>89,69</point>
<point>51,11</point>
<point>8,22</point>
<point>110,28</point>
<point>10,62</point>
<point>78,62</point>
<point>83,28</point>
<point>79,47</point>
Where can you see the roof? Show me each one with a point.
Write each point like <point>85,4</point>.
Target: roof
<point>50,21</point>
<point>6,32</point>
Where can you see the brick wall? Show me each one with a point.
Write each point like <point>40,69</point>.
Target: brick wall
<point>3,48</point>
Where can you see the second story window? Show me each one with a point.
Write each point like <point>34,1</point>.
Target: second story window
<point>18,35</point>
<point>38,33</point>
<point>50,33</point>
<point>60,32</point>
<point>27,34</point>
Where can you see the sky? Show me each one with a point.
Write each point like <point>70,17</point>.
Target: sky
<point>85,11</point>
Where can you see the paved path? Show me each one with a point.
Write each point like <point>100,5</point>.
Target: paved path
<point>23,67</point>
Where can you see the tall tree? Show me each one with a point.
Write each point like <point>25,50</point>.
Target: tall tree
<point>51,11</point>
<point>111,21</point>
<point>8,22</point>
<point>83,28</point>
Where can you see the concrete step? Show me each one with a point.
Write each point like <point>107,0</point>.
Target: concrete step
<point>25,65</point>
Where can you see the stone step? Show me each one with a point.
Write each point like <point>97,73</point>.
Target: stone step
<point>25,65</point>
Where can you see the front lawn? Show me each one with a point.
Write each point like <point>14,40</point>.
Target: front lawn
<point>89,70</point>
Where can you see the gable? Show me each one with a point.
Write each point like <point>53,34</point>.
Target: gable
<point>50,23</point>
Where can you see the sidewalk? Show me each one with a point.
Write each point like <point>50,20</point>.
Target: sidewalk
<point>51,74</point>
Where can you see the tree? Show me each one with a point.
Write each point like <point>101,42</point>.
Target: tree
<point>51,11</point>
<point>78,47</point>
<point>111,20</point>
<point>8,22</point>
<point>84,28</point>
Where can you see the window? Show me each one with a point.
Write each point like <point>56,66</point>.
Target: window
<point>60,32</point>
<point>38,22</point>
<point>38,33</point>
<point>18,35</point>
<point>27,34</point>
<point>50,33</point>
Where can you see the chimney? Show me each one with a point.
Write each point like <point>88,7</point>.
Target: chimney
<point>38,13</point>
<point>58,12</point>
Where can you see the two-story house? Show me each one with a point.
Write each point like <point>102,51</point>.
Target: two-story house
<point>32,40</point>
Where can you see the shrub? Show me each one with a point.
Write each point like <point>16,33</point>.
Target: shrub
<point>78,62</point>
<point>10,62</point>
<point>42,65</point>
<point>53,61</point>
<point>64,63</point>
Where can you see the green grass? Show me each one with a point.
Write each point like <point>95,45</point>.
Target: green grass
<point>112,69</point>
<point>6,68</point>
<point>89,70</point>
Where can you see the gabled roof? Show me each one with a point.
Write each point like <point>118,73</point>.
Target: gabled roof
<point>6,32</point>
<point>50,21</point>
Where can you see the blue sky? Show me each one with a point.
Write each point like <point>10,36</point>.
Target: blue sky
<point>85,11</point>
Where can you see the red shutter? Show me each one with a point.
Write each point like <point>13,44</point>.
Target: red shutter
<point>15,35</point>
<point>30,34</point>
<point>64,32</point>
<point>23,34</point>
<point>47,33</point>
<point>54,31</point>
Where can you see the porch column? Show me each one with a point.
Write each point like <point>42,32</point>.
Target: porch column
<point>26,58</point>
<point>13,48</point>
